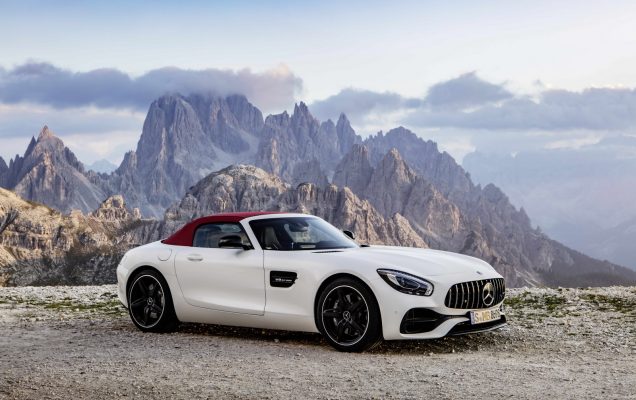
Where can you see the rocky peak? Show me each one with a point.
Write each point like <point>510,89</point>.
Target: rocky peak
<point>235,188</point>
<point>113,209</point>
<point>289,141</point>
<point>248,117</point>
<point>53,147</point>
<point>302,122</point>
<point>184,138</point>
<point>328,126</point>
<point>301,112</point>
<point>401,133</point>
<point>129,161</point>
<point>3,165</point>
<point>393,169</point>
<point>246,188</point>
<point>354,170</point>
<point>346,135</point>
<point>45,133</point>
<point>494,195</point>
<point>51,174</point>
<point>343,122</point>
<point>30,147</point>
<point>281,119</point>
<point>440,169</point>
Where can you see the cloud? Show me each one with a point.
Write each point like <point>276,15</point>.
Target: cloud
<point>91,133</point>
<point>359,104</point>
<point>44,83</point>
<point>465,91</point>
<point>363,106</point>
<point>471,103</point>
<point>593,109</point>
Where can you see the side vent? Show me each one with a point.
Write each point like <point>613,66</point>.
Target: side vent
<point>283,279</point>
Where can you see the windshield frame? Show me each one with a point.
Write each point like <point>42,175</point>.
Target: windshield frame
<point>342,240</point>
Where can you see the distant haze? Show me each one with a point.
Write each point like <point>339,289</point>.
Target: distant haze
<point>583,197</point>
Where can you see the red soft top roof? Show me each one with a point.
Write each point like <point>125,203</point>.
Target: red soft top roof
<point>185,235</point>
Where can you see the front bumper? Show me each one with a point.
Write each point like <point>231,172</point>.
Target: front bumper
<point>435,319</point>
<point>424,321</point>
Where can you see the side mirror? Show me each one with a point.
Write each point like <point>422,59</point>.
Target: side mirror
<point>232,242</point>
<point>350,234</point>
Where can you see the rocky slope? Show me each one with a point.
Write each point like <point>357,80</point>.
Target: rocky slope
<point>290,142</point>
<point>483,224</point>
<point>582,197</point>
<point>438,168</point>
<point>50,173</point>
<point>39,245</point>
<point>244,187</point>
<point>183,140</point>
<point>3,169</point>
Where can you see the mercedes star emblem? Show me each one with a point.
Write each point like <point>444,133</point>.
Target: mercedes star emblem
<point>488,294</point>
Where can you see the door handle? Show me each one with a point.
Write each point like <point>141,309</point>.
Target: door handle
<point>195,257</point>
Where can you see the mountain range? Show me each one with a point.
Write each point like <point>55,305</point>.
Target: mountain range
<point>203,154</point>
<point>582,197</point>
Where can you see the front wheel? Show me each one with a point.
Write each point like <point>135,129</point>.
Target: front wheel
<point>150,303</point>
<point>348,316</point>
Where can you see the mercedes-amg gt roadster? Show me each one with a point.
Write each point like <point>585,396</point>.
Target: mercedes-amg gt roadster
<point>297,272</point>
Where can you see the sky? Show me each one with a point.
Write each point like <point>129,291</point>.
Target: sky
<point>490,75</point>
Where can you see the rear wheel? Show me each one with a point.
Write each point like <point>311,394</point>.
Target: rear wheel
<point>348,316</point>
<point>150,303</point>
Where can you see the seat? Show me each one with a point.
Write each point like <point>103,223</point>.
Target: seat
<point>270,240</point>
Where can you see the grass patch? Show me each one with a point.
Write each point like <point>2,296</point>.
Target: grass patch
<point>609,303</point>
<point>535,308</point>
<point>553,303</point>
<point>523,300</point>
<point>549,303</point>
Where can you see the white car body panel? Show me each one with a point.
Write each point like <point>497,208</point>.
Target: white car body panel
<point>222,279</point>
<point>232,286</point>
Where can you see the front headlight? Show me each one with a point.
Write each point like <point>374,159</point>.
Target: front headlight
<point>406,283</point>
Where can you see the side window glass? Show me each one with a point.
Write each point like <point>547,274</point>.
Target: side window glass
<point>208,235</point>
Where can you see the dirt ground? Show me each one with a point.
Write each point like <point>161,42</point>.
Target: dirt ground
<point>77,342</point>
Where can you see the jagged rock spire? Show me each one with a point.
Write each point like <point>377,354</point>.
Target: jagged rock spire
<point>45,133</point>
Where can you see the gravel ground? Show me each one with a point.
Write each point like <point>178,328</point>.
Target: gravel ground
<point>77,342</point>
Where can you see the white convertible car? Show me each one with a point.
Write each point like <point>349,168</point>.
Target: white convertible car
<point>297,272</point>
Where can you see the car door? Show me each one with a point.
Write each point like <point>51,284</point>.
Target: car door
<point>220,278</point>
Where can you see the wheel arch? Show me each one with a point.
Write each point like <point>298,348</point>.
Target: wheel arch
<point>339,275</point>
<point>136,271</point>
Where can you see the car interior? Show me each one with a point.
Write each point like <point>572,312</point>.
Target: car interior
<point>209,235</point>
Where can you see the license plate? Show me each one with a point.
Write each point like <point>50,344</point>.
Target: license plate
<point>480,317</point>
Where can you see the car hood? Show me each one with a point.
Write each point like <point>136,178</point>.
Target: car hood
<point>421,262</point>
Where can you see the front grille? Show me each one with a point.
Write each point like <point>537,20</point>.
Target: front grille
<point>469,295</point>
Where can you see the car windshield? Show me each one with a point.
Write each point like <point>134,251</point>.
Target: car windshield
<point>299,233</point>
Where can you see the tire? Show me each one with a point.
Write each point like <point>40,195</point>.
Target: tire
<point>348,316</point>
<point>150,303</point>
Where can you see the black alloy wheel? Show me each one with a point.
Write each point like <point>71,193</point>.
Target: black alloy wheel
<point>150,304</point>
<point>348,316</point>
